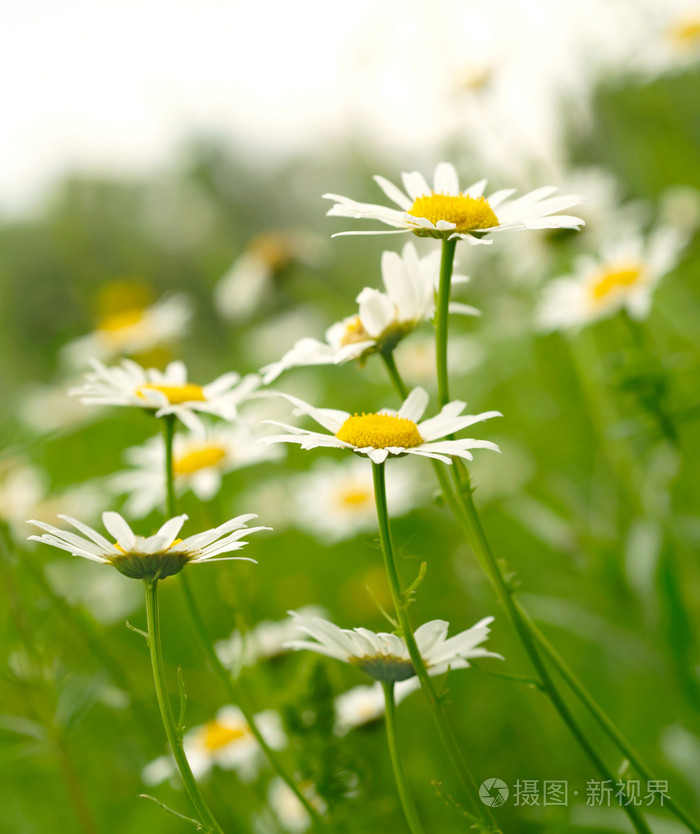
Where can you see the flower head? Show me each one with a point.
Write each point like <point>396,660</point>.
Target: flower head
<point>623,277</point>
<point>383,318</point>
<point>389,432</point>
<point>385,656</point>
<point>165,392</point>
<point>151,557</point>
<point>444,211</point>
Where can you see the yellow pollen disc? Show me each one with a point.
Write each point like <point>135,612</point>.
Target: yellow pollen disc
<point>176,394</point>
<point>216,735</point>
<point>379,431</point>
<point>276,250</point>
<point>355,497</point>
<point>125,552</point>
<point>354,333</point>
<point>467,213</point>
<point>115,322</point>
<point>615,277</point>
<point>685,33</point>
<point>201,457</point>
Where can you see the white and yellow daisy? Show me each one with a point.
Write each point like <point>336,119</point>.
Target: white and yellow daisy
<point>247,284</point>
<point>623,277</point>
<point>165,392</point>
<point>199,464</point>
<point>335,501</point>
<point>444,211</point>
<point>385,656</point>
<point>149,557</point>
<point>383,319</point>
<point>366,704</point>
<point>132,330</point>
<point>224,742</point>
<point>389,432</point>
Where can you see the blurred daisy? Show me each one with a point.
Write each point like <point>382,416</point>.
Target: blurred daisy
<point>132,330</point>
<point>290,813</point>
<point>389,432</point>
<point>198,464</point>
<point>165,392</point>
<point>444,211</point>
<point>366,704</point>
<point>266,640</point>
<point>335,501</point>
<point>249,281</point>
<point>224,742</point>
<point>623,277</point>
<point>151,557</point>
<point>384,318</point>
<point>385,656</point>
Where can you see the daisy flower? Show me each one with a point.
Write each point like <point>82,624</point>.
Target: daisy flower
<point>389,432</point>
<point>224,742</point>
<point>165,392</point>
<point>151,557</point>
<point>198,464</point>
<point>623,277</point>
<point>133,330</point>
<point>383,319</point>
<point>444,211</point>
<point>335,501</point>
<point>289,812</point>
<point>385,656</point>
<point>366,704</point>
<point>251,279</point>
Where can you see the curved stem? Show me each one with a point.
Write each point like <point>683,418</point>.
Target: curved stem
<point>409,809</point>
<point>172,731</point>
<point>441,319</point>
<point>232,687</point>
<point>444,731</point>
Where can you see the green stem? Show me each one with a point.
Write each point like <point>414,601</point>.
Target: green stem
<point>409,809</point>
<point>172,731</point>
<point>441,319</point>
<point>232,687</point>
<point>400,604</point>
<point>393,371</point>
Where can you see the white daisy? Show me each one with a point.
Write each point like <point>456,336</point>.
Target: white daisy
<point>444,211</point>
<point>384,318</point>
<point>131,331</point>
<point>151,557</point>
<point>249,281</point>
<point>365,704</point>
<point>389,432</point>
<point>198,464</point>
<point>335,501</point>
<point>623,277</point>
<point>385,656</point>
<point>224,742</point>
<point>266,640</point>
<point>289,811</point>
<point>165,392</point>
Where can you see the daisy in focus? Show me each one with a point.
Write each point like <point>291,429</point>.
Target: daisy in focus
<point>198,464</point>
<point>148,557</point>
<point>389,432</point>
<point>335,501</point>
<point>446,212</point>
<point>165,392</point>
<point>383,319</point>
<point>133,330</point>
<point>623,277</point>
<point>385,656</point>
<point>224,742</point>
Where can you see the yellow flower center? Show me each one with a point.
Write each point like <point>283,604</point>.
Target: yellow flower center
<point>274,249</point>
<point>354,332</point>
<point>216,735</point>
<point>613,278</point>
<point>200,457</point>
<point>115,322</point>
<point>176,394</point>
<point>355,496</point>
<point>685,32</point>
<point>379,431</point>
<point>467,213</point>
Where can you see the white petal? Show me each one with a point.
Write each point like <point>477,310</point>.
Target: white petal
<point>413,408</point>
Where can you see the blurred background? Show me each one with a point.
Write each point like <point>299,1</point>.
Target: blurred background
<point>161,175</point>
